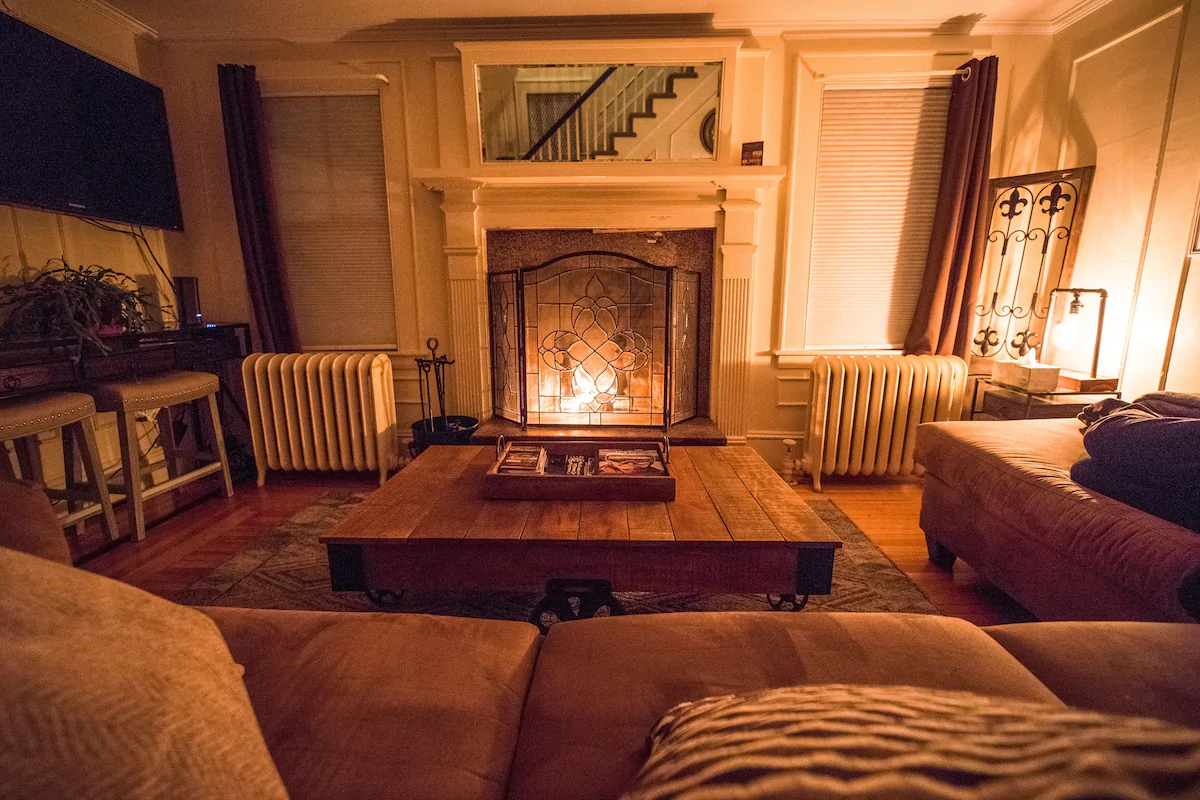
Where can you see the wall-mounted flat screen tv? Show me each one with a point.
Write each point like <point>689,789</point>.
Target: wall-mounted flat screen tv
<point>80,136</point>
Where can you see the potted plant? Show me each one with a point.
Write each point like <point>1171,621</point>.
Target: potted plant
<point>83,303</point>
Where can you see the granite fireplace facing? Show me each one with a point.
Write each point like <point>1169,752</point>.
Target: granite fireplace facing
<point>600,328</point>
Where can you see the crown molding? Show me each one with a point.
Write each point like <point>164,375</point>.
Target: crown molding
<point>617,27</point>
<point>484,29</point>
<point>113,14</point>
<point>851,29</point>
<point>1073,15</point>
<point>845,28</point>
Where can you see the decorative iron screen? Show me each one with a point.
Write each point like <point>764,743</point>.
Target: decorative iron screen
<point>1033,234</point>
<point>607,340</point>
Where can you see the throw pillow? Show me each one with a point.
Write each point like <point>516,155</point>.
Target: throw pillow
<point>904,743</point>
<point>109,693</point>
<point>1171,404</point>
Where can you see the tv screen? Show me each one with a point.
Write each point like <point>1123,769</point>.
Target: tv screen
<point>80,136</point>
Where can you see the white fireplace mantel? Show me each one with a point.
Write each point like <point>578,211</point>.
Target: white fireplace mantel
<point>602,173</point>
<point>604,195</point>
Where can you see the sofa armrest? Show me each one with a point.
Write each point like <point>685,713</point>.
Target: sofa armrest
<point>1140,668</point>
<point>1019,474</point>
<point>29,523</point>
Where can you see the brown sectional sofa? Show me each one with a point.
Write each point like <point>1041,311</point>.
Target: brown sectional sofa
<point>410,706</point>
<point>1000,496</point>
<point>357,705</point>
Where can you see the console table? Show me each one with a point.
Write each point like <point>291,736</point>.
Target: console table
<point>33,365</point>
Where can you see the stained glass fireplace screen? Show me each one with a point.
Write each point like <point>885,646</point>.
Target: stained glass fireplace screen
<point>599,342</point>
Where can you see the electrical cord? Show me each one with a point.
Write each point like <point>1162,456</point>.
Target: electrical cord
<point>138,234</point>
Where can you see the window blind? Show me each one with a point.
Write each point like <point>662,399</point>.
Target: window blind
<point>879,164</point>
<point>328,168</point>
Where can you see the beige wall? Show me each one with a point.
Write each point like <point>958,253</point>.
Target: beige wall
<point>424,123</point>
<point>1125,96</point>
<point>28,239</point>
<point>1103,91</point>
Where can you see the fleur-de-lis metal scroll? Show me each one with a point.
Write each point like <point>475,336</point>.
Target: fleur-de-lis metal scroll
<point>1033,235</point>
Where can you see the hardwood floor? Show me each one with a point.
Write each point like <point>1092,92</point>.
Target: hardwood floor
<point>196,533</point>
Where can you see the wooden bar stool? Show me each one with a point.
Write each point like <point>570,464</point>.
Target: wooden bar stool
<point>159,393</point>
<point>74,414</point>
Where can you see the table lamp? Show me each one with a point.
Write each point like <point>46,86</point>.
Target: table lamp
<point>1065,334</point>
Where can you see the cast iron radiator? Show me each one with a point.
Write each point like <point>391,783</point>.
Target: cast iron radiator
<point>321,411</point>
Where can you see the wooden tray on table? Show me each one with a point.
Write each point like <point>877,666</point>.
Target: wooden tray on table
<point>554,483</point>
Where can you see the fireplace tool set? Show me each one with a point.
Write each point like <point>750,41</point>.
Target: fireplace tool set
<point>443,428</point>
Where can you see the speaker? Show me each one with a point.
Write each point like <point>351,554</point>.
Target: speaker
<point>187,301</point>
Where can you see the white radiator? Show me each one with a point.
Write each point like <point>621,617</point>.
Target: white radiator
<point>321,411</point>
<point>865,411</point>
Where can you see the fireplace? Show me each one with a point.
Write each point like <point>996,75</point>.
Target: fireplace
<point>614,333</point>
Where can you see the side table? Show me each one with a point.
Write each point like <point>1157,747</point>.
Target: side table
<point>1000,401</point>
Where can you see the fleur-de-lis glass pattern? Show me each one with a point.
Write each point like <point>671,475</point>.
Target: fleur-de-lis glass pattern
<point>594,349</point>
<point>506,359</point>
<point>594,340</point>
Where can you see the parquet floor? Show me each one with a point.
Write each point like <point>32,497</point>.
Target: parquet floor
<point>195,534</point>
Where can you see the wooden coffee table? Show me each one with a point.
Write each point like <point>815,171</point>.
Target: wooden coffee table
<point>734,526</point>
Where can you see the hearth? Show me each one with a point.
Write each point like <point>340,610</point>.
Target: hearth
<point>601,336</point>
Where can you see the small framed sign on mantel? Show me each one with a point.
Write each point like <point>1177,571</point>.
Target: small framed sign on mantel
<point>752,154</point>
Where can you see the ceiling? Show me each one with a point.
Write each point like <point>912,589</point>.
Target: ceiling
<point>326,20</point>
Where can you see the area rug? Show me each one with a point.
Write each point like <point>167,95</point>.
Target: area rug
<point>287,568</point>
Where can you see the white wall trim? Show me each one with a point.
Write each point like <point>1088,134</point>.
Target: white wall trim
<point>129,23</point>
<point>758,435</point>
<point>520,29</point>
<point>1071,16</point>
<point>792,29</point>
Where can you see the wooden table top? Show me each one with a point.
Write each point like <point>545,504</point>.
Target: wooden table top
<point>722,495</point>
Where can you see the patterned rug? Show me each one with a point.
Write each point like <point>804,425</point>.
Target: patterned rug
<point>287,568</point>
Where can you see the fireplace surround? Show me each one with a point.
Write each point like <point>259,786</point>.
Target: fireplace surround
<point>482,205</point>
<point>608,328</point>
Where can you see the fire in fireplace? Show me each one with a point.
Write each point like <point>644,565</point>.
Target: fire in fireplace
<point>595,338</point>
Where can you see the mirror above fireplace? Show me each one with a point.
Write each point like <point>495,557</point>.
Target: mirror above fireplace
<point>595,112</point>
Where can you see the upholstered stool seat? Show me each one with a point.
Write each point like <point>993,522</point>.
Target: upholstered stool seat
<point>159,393</point>
<point>23,418</point>
<point>155,391</point>
<point>27,416</point>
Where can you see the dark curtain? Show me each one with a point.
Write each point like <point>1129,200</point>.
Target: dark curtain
<point>945,308</point>
<point>254,204</point>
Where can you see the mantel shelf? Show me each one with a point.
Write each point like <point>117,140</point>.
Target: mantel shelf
<point>596,175</point>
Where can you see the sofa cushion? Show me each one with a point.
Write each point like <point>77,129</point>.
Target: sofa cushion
<point>381,706</point>
<point>29,523</point>
<point>109,693</point>
<point>600,685</point>
<point>1019,472</point>
<point>903,743</point>
<point>1142,668</point>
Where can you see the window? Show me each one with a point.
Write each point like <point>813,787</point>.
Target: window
<point>328,168</point>
<point>879,164</point>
